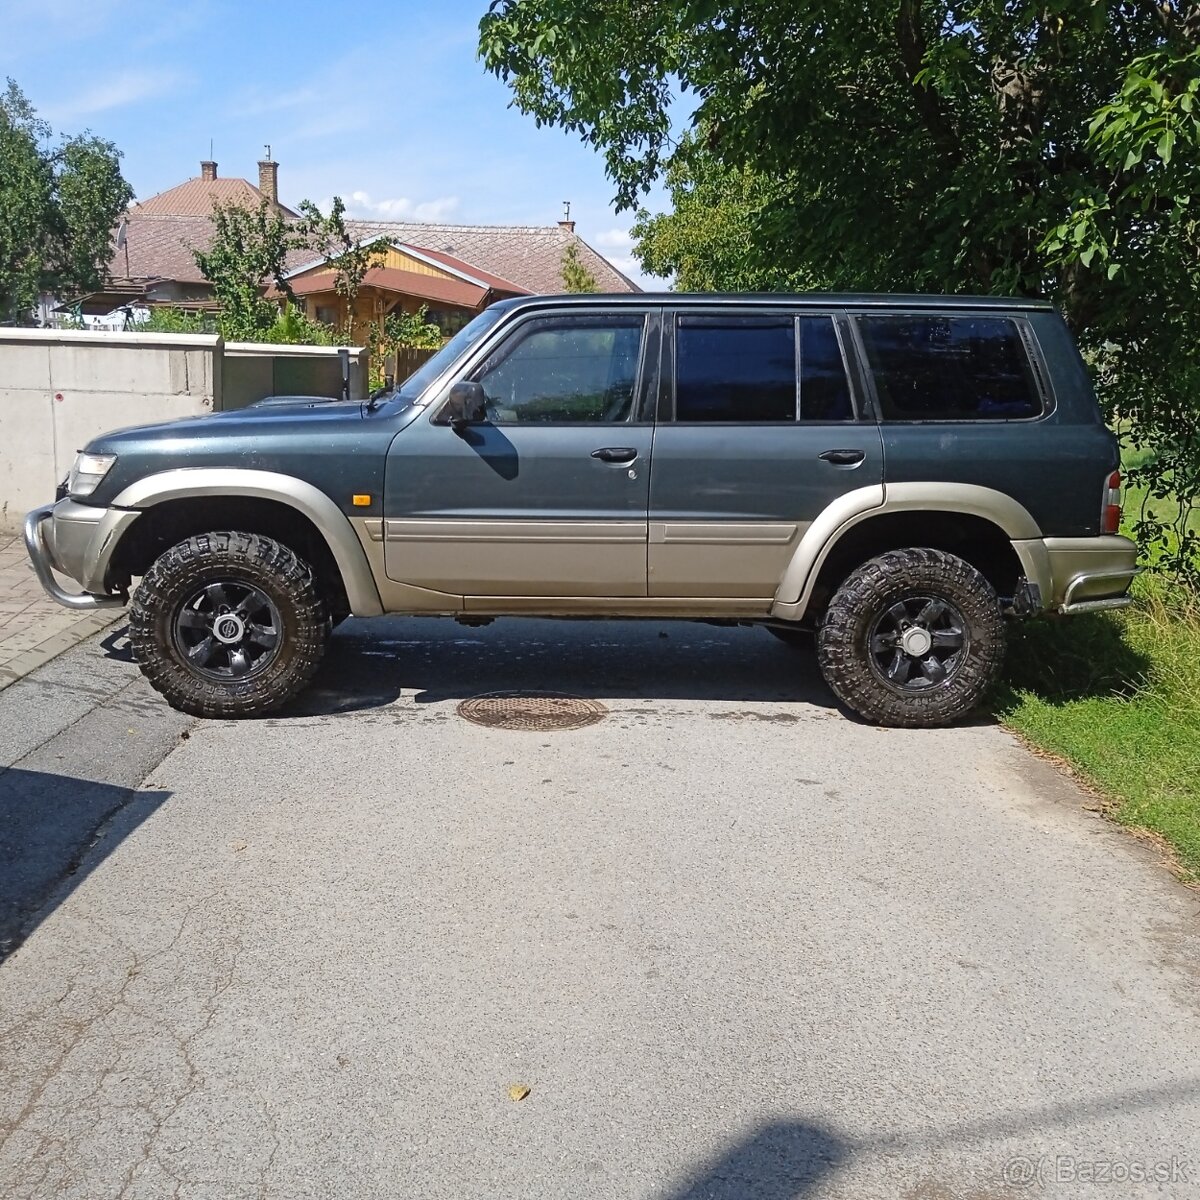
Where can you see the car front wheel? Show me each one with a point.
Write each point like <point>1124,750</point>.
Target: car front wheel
<point>912,638</point>
<point>228,624</point>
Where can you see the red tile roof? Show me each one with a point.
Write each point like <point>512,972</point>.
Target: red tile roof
<point>457,264</point>
<point>196,198</point>
<point>527,256</point>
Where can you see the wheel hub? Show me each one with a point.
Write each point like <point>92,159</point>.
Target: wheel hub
<point>916,641</point>
<point>227,630</point>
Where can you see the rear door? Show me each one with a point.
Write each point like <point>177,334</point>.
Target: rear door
<point>759,430</point>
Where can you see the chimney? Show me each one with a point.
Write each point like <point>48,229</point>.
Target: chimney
<point>208,171</point>
<point>268,179</point>
<point>569,226</point>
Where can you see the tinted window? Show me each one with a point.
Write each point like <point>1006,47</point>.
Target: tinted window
<point>824,389</point>
<point>949,368</point>
<point>735,369</point>
<point>565,370</point>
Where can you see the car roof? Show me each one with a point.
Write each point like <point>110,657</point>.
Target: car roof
<point>780,299</point>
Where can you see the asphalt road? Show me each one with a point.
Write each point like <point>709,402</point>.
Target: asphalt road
<point>735,944</point>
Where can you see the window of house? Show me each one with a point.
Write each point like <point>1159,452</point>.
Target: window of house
<point>937,368</point>
<point>553,371</point>
<point>735,369</point>
<point>327,314</point>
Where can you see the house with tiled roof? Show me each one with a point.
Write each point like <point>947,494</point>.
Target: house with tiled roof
<point>452,270</point>
<point>405,278</point>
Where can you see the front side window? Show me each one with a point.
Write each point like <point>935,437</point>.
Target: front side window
<point>939,368</point>
<point>565,370</point>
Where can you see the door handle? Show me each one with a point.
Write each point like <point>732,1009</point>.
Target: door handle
<point>843,458</point>
<point>615,454</point>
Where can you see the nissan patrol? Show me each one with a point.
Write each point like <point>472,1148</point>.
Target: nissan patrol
<point>896,474</point>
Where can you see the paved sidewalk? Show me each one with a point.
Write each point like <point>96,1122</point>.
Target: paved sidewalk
<point>33,629</point>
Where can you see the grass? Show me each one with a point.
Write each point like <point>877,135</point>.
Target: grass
<point>1117,695</point>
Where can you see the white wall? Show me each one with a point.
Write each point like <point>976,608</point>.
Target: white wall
<point>61,388</point>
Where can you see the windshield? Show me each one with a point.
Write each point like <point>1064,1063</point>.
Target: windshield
<point>425,374</point>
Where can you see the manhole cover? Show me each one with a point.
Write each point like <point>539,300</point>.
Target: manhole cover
<point>533,711</point>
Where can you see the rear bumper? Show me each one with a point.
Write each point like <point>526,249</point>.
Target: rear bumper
<point>76,540</point>
<point>1082,574</point>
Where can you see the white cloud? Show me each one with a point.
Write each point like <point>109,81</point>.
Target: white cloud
<point>117,91</point>
<point>360,204</point>
<point>614,239</point>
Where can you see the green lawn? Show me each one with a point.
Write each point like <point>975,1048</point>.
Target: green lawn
<point>1118,696</point>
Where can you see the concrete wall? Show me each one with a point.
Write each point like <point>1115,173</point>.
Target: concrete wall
<point>252,371</point>
<point>59,389</point>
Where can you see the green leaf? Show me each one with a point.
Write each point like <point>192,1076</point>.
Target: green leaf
<point>1166,144</point>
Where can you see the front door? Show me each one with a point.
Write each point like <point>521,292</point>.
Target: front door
<point>548,496</point>
<point>761,433</point>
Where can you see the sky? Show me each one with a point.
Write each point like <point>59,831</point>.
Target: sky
<point>384,104</point>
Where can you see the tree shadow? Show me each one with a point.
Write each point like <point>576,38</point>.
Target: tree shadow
<point>1074,658</point>
<point>52,837</point>
<point>783,1160</point>
<point>371,663</point>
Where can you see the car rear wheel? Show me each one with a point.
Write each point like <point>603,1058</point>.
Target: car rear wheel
<point>912,638</point>
<point>228,624</point>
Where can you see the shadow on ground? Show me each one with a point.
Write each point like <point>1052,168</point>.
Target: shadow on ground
<point>784,1160</point>
<point>369,663</point>
<point>1072,658</point>
<point>52,836</point>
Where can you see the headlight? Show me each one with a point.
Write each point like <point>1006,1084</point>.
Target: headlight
<point>88,471</point>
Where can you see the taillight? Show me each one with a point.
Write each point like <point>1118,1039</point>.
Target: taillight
<point>1110,513</point>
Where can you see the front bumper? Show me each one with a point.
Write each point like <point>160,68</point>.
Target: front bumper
<point>76,540</point>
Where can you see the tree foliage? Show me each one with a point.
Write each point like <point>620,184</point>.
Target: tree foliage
<point>576,278</point>
<point>1048,149</point>
<point>248,251</point>
<point>351,258</point>
<point>59,205</point>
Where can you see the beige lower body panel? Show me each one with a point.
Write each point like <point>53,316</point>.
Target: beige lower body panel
<point>719,558</point>
<point>544,558</point>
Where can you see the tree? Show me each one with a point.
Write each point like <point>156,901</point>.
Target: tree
<point>719,235</point>
<point>248,252</point>
<point>58,208</point>
<point>351,258</point>
<point>575,276</point>
<point>1048,149</point>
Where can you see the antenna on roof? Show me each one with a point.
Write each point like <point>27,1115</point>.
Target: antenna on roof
<point>210,149</point>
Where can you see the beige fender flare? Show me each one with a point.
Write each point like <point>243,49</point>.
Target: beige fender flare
<point>863,504</point>
<point>332,524</point>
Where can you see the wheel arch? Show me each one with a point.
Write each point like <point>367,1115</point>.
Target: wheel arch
<point>176,504</point>
<point>987,528</point>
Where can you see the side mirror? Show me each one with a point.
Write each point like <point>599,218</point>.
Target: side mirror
<point>466,405</point>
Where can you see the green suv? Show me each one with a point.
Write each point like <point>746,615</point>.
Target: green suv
<point>896,474</point>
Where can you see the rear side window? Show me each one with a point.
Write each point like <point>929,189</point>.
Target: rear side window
<point>949,368</point>
<point>745,369</point>
<point>739,369</point>
<point>824,389</point>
